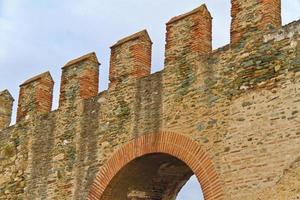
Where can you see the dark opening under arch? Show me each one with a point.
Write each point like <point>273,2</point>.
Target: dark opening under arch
<point>156,176</point>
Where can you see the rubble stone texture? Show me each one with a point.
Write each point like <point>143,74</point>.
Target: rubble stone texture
<point>6,103</point>
<point>231,116</point>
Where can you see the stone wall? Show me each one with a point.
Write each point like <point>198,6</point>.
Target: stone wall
<point>6,103</point>
<point>240,104</point>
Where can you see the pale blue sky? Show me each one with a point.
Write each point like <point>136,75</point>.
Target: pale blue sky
<point>42,35</point>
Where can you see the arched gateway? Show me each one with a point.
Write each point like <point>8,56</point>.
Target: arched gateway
<point>148,158</point>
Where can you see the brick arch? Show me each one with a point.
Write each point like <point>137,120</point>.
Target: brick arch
<point>174,144</point>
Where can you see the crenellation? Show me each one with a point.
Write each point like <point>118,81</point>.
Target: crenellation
<point>230,116</point>
<point>6,104</point>
<point>35,96</point>
<point>249,17</point>
<point>79,79</point>
<point>91,57</point>
<point>188,34</point>
<point>144,34</point>
<point>130,58</point>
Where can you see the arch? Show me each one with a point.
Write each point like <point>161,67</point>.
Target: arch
<point>170,143</point>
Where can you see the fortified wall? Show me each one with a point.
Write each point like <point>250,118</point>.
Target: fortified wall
<point>231,116</point>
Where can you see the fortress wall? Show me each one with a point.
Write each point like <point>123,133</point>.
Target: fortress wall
<point>14,153</point>
<point>240,103</point>
<point>264,67</point>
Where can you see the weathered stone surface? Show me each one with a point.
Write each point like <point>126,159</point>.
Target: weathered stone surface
<point>79,80</point>
<point>251,16</point>
<point>287,187</point>
<point>6,103</point>
<point>130,58</point>
<point>231,116</point>
<point>35,96</point>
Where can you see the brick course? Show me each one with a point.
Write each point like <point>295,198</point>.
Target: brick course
<point>35,96</point>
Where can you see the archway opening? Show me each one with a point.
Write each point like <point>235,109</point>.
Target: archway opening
<point>168,149</point>
<point>155,176</point>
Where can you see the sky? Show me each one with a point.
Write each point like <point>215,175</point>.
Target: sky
<point>42,35</point>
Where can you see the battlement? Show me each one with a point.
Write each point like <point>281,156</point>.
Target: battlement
<point>218,112</point>
<point>190,33</point>
<point>130,58</point>
<point>188,36</point>
<point>79,79</point>
<point>6,103</point>
<point>35,96</point>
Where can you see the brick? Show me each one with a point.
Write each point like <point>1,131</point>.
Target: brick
<point>130,57</point>
<point>35,96</point>
<point>253,15</point>
<point>79,79</point>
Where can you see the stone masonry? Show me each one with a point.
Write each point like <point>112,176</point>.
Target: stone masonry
<point>231,116</point>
